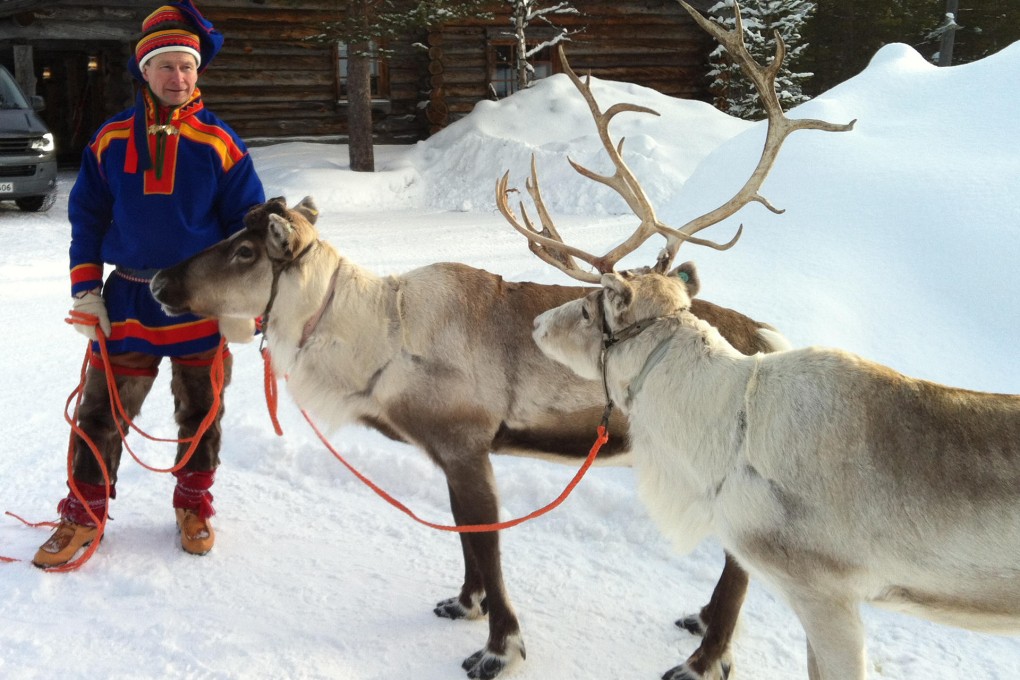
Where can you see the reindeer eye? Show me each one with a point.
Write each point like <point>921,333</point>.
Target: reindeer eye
<point>585,314</point>
<point>244,252</point>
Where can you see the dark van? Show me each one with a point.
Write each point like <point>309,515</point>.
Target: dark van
<point>28,159</point>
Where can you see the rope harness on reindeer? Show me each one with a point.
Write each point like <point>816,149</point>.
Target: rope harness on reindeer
<point>611,339</point>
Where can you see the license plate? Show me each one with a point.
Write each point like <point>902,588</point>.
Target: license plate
<point>6,187</point>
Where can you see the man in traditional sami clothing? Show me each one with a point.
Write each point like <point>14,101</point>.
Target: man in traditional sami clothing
<point>158,183</point>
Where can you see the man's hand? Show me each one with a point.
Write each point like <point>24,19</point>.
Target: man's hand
<point>87,310</point>
<point>237,330</point>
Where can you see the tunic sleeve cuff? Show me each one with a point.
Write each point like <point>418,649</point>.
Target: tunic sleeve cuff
<point>86,277</point>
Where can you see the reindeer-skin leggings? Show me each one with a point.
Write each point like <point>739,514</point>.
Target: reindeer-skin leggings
<point>134,374</point>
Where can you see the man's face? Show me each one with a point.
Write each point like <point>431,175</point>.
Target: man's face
<point>172,76</point>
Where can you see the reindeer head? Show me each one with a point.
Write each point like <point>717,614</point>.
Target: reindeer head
<point>576,333</point>
<point>287,232</point>
<point>235,276</point>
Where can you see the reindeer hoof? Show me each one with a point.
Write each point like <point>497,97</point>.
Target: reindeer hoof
<point>453,609</point>
<point>719,671</point>
<point>486,665</point>
<point>693,625</point>
<point>681,673</point>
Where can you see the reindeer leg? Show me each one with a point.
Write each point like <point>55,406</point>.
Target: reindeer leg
<point>474,501</point>
<point>716,621</point>
<point>835,637</point>
<point>471,603</point>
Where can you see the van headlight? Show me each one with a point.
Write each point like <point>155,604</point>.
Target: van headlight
<point>44,144</point>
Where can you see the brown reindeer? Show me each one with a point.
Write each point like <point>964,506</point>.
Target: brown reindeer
<point>441,357</point>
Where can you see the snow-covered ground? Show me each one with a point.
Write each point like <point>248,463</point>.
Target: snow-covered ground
<point>900,241</point>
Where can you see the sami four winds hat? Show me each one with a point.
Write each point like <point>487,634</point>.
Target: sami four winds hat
<point>161,32</point>
<point>169,40</point>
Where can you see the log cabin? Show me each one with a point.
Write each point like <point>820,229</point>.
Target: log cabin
<point>272,82</point>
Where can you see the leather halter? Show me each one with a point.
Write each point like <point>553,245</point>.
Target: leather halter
<point>280,266</point>
<point>611,339</point>
<point>313,322</point>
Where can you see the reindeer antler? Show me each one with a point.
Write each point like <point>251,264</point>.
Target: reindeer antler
<point>779,126</point>
<point>547,243</point>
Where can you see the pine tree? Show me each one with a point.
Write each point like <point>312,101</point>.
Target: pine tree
<point>844,36</point>
<point>734,93</point>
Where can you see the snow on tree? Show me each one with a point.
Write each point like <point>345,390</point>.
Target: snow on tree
<point>523,14</point>
<point>734,93</point>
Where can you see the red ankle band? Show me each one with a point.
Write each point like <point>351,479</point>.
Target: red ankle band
<point>192,491</point>
<point>72,509</point>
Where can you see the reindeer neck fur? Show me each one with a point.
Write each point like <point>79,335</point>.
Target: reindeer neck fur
<point>301,286</point>
<point>698,383</point>
<point>687,344</point>
<point>356,329</point>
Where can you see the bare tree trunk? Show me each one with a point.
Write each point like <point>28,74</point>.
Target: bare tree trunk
<point>359,112</point>
<point>949,35</point>
<point>359,94</point>
<point>521,47</point>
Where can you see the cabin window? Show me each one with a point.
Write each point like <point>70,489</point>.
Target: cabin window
<point>503,67</point>
<point>380,85</point>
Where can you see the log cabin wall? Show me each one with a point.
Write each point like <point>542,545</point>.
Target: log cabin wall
<point>653,43</point>
<point>271,83</point>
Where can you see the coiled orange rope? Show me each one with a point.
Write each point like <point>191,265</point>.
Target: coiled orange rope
<point>216,377</point>
<point>601,438</point>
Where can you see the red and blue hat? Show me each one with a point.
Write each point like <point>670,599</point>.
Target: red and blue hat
<point>162,32</point>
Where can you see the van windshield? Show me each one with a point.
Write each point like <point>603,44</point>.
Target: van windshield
<point>10,94</point>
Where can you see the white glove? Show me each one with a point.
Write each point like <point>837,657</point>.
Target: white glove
<point>237,330</point>
<point>91,304</point>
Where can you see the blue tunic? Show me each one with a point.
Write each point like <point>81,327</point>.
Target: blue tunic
<point>201,184</point>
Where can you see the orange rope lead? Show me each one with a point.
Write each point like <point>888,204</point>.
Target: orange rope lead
<point>271,402</point>
<point>602,438</point>
<point>272,393</point>
<point>24,521</point>
<point>216,378</point>
<point>34,525</point>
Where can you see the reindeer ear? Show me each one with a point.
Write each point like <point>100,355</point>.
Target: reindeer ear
<point>277,205</point>
<point>280,238</point>
<point>307,208</point>
<point>256,218</point>
<point>688,273</point>
<point>618,291</point>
